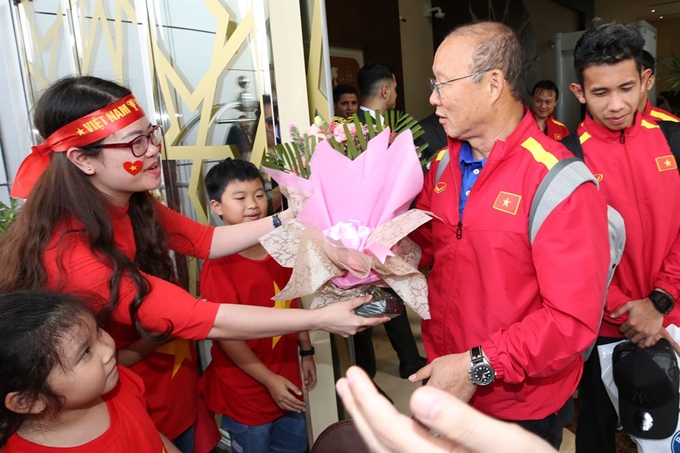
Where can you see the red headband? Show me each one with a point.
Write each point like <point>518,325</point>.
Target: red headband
<point>81,132</point>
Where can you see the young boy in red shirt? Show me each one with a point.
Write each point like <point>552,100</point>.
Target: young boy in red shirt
<point>255,384</point>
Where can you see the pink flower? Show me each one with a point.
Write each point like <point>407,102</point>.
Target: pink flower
<point>316,131</point>
<point>339,134</point>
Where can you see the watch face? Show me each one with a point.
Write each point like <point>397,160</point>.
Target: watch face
<point>662,302</point>
<point>665,304</point>
<point>482,374</point>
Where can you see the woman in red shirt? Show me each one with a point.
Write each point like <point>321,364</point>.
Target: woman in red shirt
<point>91,226</point>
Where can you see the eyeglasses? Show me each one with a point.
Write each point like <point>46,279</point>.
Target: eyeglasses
<point>140,144</point>
<point>435,86</point>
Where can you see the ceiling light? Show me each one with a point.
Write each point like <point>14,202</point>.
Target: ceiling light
<point>653,10</point>
<point>660,17</point>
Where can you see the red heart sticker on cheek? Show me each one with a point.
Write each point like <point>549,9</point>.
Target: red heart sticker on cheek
<point>133,167</point>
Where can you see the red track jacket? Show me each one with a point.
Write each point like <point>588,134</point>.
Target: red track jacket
<point>652,113</point>
<point>639,178</point>
<point>534,309</point>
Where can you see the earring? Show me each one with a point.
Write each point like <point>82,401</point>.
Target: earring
<point>89,169</point>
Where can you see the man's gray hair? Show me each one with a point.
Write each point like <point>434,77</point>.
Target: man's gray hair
<point>497,48</point>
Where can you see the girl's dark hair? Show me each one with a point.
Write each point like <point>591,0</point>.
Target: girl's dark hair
<point>223,173</point>
<point>65,193</point>
<point>32,329</point>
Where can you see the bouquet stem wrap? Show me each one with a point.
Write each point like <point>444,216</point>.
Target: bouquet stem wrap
<point>352,223</point>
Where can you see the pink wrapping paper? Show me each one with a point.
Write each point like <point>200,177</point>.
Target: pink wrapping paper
<point>352,223</point>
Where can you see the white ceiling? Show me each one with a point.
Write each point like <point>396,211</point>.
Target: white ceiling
<point>629,10</point>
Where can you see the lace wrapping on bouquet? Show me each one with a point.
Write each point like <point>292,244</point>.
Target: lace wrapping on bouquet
<point>316,260</point>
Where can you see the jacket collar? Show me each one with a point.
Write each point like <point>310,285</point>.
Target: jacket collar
<point>600,132</point>
<point>504,149</point>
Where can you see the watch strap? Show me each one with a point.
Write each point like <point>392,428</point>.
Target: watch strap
<point>476,355</point>
<point>662,302</point>
<point>276,221</point>
<point>307,352</point>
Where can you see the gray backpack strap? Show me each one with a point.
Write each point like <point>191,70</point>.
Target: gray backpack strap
<point>557,185</point>
<point>443,162</point>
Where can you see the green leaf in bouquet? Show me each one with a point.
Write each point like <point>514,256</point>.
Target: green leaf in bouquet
<point>369,125</point>
<point>378,126</point>
<point>337,146</point>
<point>288,157</point>
<point>274,160</point>
<point>299,164</point>
<point>352,151</point>
<point>309,149</point>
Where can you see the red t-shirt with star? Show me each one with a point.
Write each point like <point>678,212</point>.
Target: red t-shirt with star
<point>227,389</point>
<point>170,373</point>
<point>131,429</point>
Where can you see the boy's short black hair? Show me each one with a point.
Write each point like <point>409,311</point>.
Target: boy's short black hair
<point>608,43</point>
<point>223,173</point>
<point>339,90</point>
<point>546,85</point>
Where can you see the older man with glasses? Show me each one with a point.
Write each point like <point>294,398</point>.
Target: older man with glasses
<point>510,319</point>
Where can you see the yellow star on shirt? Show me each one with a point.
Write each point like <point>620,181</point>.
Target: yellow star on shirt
<point>279,304</point>
<point>506,202</point>
<point>181,349</point>
<point>667,163</point>
<point>80,131</point>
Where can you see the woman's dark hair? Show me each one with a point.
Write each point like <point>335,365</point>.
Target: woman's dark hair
<point>221,174</point>
<point>607,43</point>
<point>32,329</point>
<point>65,193</point>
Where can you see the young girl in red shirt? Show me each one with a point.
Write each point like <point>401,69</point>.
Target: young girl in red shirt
<point>90,225</point>
<point>61,387</point>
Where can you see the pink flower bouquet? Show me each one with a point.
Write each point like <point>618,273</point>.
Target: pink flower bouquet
<point>352,191</point>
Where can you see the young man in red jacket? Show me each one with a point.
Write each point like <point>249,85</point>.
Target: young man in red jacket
<point>544,98</point>
<point>638,176</point>
<point>510,320</point>
<point>650,112</point>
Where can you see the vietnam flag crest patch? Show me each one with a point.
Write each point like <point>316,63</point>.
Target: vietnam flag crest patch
<point>507,202</point>
<point>665,163</point>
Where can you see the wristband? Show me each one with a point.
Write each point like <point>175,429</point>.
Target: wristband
<point>276,221</point>
<point>307,352</point>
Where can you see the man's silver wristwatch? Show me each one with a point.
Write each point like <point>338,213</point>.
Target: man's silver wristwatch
<point>481,372</point>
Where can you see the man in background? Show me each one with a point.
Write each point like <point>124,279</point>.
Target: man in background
<point>345,101</point>
<point>649,112</point>
<point>544,99</point>
<point>378,88</point>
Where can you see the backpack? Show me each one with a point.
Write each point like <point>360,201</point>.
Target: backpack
<point>557,185</point>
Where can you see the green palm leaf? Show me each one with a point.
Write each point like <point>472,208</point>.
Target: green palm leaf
<point>671,71</point>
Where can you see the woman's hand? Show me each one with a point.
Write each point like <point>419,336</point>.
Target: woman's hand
<point>339,317</point>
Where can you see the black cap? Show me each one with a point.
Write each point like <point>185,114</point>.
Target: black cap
<point>647,380</point>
